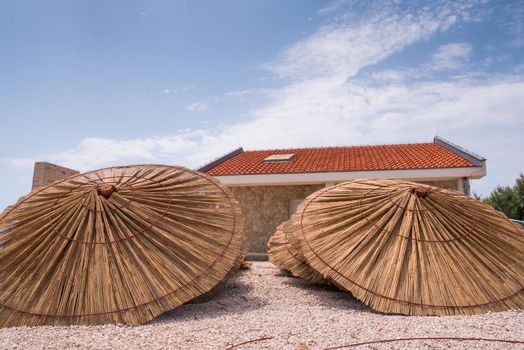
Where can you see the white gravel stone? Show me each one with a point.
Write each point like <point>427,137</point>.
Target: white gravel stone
<point>265,302</point>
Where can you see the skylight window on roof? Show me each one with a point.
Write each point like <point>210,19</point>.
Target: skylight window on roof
<point>274,158</point>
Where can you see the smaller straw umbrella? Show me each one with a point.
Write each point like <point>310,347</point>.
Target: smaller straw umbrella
<point>286,255</point>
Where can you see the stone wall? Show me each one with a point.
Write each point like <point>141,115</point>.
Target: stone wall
<point>47,173</point>
<point>447,184</point>
<point>265,207</point>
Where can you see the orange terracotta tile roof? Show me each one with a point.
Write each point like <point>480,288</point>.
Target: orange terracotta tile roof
<point>334,159</point>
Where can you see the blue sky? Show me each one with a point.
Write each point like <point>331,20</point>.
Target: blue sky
<point>89,84</point>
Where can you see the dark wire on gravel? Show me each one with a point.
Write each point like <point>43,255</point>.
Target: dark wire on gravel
<point>247,342</point>
<point>354,345</point>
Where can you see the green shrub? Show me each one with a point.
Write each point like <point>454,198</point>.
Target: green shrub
<point>509,200</point>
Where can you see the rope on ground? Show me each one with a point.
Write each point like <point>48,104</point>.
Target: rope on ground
<point>247,342</point>
<point>354,345</point>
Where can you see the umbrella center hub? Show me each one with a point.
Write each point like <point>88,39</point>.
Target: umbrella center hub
<point>421,192</point>
<point>105,190</point>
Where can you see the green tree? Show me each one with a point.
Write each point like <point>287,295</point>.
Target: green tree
<point>509,200</point>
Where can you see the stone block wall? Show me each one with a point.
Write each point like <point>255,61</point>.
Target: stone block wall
<point>46,173</point>
<point>447,184</point>
<point>265,207</point>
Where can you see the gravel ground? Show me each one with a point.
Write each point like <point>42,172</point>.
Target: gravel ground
<point>265,302</point>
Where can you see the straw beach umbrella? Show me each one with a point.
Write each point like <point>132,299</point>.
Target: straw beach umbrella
<point>117,245</point>
<point>285,253</point>
<point>402,247</point>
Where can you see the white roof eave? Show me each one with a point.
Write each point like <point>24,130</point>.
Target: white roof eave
<point>341,176</point>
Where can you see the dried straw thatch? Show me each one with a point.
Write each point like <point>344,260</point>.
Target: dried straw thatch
<point>245,264</point>
<point>117,245</point>
<point>407,248</point>
<point>286,254</point>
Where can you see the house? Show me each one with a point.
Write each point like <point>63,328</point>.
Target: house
<point>269,184</point>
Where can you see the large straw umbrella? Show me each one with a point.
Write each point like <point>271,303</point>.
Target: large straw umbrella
<point>413,249</point>
<point>117,245</point>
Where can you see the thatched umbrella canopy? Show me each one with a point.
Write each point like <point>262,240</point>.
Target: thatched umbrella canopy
<point>402,247</point>
<point>117,245</point>
<point>286,254</point>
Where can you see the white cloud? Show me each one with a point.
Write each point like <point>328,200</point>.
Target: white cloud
<point>325,113</point>
<point>187,88</point>
<point>197,107</point>
<point>451,56</point>
<point>244,92</point>
<point>333,6</point>
<point>19,163</point>
<point>97,152</point>
<point>344,47</point>
<point>183,89</point>
<point>513,23</point>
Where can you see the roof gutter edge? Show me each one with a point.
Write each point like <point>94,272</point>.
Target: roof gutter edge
<point>214,163</point>
<point>462,152</point>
